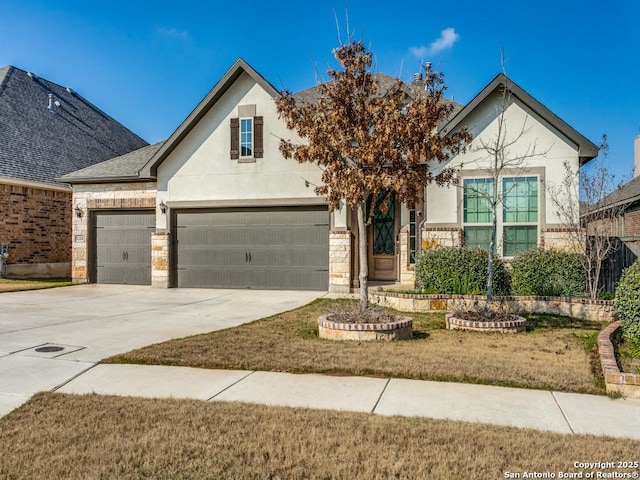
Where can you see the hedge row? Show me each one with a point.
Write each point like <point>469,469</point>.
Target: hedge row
<point>452,270</point>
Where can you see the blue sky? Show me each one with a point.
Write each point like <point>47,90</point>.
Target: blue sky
<point>148,64</point>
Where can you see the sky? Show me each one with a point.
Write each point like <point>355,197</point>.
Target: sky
<point>148,64</point>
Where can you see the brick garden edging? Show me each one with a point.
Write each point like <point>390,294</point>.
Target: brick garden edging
<point>628,384</point>
<point>517,325</point>
<point>583,308</point>
<point>399,330</point>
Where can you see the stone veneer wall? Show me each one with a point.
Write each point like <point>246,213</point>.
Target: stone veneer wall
<point>36,224</point>
<point>160,259</point>
<point>111,196</point>
<point>561,239</point>
<point>340,260</point>
<point>597,310</point>
<point>407,271</point>
<point>434,237</point>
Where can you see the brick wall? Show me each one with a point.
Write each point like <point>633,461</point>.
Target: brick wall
<point>632,223</point>
<point>36,223</point>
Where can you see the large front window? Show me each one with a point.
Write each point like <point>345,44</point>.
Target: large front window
<point>517,216</point>
<point>246,137</point>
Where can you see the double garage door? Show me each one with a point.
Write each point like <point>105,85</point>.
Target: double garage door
<point>262,247</point>
<point>267,247</point>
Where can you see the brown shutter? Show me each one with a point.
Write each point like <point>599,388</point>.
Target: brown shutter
<point>258,147</point>
<point>235,138</point>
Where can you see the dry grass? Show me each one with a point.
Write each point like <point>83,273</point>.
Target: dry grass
<point>11,285</point>
<point>90,437</point>
<point>553,354</point>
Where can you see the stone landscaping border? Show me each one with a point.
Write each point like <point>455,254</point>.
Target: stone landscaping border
<point>517,325</point>
<point>628,384</point>
<point>399,330</point>
<point>583,308</point>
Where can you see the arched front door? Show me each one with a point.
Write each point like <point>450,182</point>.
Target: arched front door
<point>382,239</point>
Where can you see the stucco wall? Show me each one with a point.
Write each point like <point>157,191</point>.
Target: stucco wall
<point>546,149</point>
<point>36,224</point>
<point>443,203</point>
<point>200,169</point>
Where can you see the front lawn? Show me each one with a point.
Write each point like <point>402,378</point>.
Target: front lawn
<point>14,285</point>
<point>93,436</point>
<point>553,354</point>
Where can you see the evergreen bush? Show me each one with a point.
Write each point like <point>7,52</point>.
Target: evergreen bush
<point>451,270</point>
<point>627,302</point>
<point>548,273</point>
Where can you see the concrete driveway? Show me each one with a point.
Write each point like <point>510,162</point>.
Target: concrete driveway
<point>91,322</point>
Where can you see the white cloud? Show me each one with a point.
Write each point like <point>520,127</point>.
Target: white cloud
<point>419,52</point>
<point>448,37</point>
<point>173,33</point>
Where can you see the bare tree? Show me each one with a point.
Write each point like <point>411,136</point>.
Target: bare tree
<point>371,143</point>
<point>504,151</point>
<point>589,223</point>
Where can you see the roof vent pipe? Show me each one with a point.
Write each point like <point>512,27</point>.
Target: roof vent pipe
<point>50,106</point>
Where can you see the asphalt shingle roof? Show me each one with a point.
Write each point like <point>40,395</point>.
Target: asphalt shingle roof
<point>385,82</point>
<point>627,193</point>
<point>129,166</point>
<point>126,166</point>
<point>39,144</point>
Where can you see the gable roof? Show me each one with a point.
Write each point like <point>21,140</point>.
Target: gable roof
<point>39,144</point>
<point>120,169</point>
<point>219,89</point>
<point>586,149</point>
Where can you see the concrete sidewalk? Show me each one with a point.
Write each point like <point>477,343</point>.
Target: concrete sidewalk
<point>537,409</point>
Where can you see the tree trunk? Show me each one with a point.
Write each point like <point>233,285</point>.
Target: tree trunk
<point>362,253</point>
<point>492,248</point>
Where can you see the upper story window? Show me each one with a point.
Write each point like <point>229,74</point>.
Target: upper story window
<point>246,137</point>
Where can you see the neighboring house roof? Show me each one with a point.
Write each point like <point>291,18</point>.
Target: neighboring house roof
<point>219,89</point>
<point>39,144</point>
<point>625,194</point>
<point>124,168</point>
<point>586,149</point>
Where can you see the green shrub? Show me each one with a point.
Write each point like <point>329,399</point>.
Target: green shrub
<point>627,302</point>
<point>548,273</point>
<point>459,271</point>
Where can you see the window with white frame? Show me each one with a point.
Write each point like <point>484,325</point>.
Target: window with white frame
<point>517,216</point>
<point>246,137</point>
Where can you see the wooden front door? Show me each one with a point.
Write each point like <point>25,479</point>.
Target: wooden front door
<point>382,236</point>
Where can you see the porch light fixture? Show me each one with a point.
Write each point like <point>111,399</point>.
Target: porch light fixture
<point>78,211</point>
<point>163,206</point>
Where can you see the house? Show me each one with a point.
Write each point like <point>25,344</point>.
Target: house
<point>46,131</point>
<point>217,205</point>
<point>618,217</point>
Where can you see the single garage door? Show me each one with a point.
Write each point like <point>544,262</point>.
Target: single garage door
<point>122,246</point>
<point>268,248</point>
